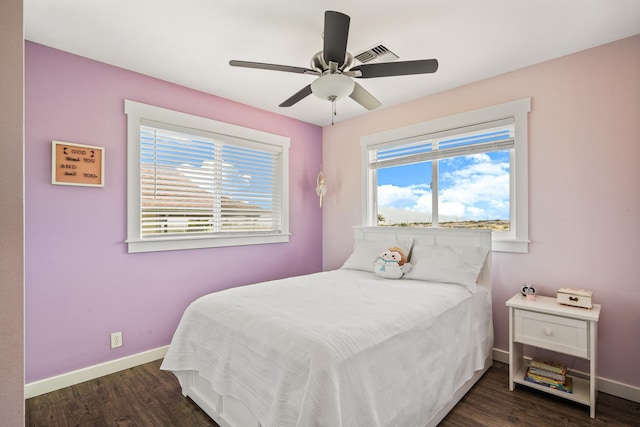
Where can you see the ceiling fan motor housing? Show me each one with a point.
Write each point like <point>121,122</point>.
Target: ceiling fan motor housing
<point>318,62</point>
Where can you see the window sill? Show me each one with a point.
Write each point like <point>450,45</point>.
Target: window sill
<point>172,244</point>
<point>516,246</point>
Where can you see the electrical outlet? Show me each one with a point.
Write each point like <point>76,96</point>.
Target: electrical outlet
<point>116,339</point>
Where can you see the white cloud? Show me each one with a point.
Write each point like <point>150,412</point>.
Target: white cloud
<point>391,195</point>
<point>452,209</point>
<point>424,203</point>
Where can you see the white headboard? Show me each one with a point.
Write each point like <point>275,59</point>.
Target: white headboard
<point>436,237</point>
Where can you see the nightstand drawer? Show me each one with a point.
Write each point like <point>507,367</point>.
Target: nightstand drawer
<point>552,332</point>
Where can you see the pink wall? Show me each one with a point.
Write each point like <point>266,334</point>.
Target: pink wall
<point>81,284</point>
<point>584,187</point>
<point>11,212</point>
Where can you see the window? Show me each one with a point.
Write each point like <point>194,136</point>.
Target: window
<point>467,170</point>
<point>196,183</point>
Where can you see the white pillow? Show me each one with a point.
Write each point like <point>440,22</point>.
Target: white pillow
<point>366,252</point>
<point>447,264</point>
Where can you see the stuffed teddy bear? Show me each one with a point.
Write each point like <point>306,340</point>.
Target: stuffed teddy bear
<point>392,264</point>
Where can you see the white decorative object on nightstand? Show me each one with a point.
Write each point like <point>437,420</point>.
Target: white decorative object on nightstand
<point>546,324</point>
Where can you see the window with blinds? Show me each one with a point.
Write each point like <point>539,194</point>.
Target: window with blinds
<point>198,184</point>
<point>464,171</point>
<point>202,182</point>
<point>457,178</point>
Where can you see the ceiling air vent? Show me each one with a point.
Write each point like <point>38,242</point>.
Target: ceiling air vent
<point>378,53</point>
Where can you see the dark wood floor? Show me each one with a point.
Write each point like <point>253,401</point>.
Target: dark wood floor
<point>146,396</point>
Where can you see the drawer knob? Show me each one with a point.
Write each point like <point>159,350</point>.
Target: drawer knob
<point>548,332</point>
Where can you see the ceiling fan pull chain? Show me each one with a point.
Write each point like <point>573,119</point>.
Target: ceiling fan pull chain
<point>333,111</point>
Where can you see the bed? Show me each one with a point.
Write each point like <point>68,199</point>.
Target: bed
<point>345,347</point>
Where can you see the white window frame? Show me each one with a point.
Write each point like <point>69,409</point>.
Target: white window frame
<point>514,240</point>
<point>137,113</point>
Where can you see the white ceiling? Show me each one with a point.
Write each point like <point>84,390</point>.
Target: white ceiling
<point>190,42</point>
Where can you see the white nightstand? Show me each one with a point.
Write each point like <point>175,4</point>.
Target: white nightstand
<point>546,324</point>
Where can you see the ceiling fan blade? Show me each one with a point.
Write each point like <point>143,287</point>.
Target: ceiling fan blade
<point>298,96</point>
<point>336,34</point>
<point>273,67</point>
<point>364,98</point>
<point>401,68</point>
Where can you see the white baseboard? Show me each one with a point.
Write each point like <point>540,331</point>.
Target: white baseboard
<point>92,372</point>
<point>619,389</point>
<point>614,388</point>
<point>501,356</point>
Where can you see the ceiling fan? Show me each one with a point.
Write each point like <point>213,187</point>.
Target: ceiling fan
<point>334,68</point>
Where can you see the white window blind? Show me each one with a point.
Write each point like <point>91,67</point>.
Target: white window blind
<point>485,137</point>
<point>196,183</point>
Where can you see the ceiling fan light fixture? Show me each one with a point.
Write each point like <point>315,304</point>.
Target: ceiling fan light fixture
<point>332,86</point>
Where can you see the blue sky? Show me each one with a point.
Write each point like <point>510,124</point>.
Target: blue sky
<point>474,187</point>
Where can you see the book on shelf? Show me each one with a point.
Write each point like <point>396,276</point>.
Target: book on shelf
<point>545,365</point>
<point>548,374</point>
<point>566,386</point>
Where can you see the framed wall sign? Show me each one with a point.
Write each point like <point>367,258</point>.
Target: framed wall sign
<point>77,164</point>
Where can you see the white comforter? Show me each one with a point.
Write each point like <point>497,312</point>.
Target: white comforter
<point>342,348</point>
